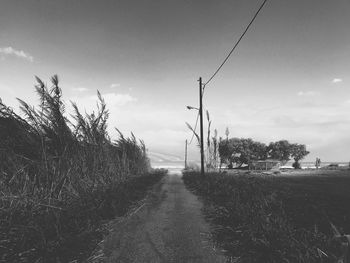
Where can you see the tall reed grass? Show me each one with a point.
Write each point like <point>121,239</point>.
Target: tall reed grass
<point>58,178</point>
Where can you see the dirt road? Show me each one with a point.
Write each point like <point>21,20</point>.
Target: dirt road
<point>168,227</point>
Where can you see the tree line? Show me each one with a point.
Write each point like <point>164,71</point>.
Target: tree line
<point>242,151</point>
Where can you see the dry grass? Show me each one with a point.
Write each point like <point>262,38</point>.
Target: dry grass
<point>59,179</point>
<point>267,219</point>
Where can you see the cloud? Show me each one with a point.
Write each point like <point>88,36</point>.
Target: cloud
<point>115,85</point>
<point>114,99</point>
<point>337,80</point>
<point>160,126</point>
<point>8,96</point>
<point>319,124</point>
<point>80,89</point>
<point>10,51</point>
<point>307,93</point>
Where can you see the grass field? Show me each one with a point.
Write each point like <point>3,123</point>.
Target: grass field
<point>283,218</point>
<point>317,197</point>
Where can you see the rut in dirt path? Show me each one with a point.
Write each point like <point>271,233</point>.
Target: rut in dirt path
<point>169,227</point>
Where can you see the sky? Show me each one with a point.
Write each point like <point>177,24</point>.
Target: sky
<point>288,78</point>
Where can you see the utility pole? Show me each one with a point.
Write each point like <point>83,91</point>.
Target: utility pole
<point>186,155</point>
<point>201,124</point>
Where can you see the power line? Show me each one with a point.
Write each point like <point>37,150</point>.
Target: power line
<point>239,40</point>
<point>202,87</point>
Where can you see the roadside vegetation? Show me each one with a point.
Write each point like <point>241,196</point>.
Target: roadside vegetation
<point>257,218</point>
<point>264,219</point>
<point>60,180</point>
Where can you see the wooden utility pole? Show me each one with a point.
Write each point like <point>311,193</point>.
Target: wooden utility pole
<point>186,155</point>
<point>201,124</point>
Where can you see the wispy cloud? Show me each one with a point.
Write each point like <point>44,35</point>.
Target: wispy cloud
<point>115,85</point>
<point>10,51</point>
<point>114,99</point>
<point>337,80</point>
<point>307,93</point>
<point>80,89</point>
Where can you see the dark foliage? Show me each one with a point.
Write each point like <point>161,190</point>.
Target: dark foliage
<point>252,223</point>
<point>243,151</point>
<point>59,179</point>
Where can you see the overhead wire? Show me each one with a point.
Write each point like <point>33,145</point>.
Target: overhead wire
<point>225,60</point>
<point>238,41</point>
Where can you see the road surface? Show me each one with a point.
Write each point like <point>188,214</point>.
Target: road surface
<point>167,227</point>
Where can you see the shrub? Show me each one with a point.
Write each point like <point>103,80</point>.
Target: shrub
<point>296,165</point>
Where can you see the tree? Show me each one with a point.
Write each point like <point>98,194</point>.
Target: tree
<point>225,151</point>
<point>280,150</point>
<point>259,151</point>
<point>241,151</point>
<point>238,151</point>
<point>298,152</point>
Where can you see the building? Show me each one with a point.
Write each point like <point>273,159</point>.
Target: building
<point>265,165</point>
